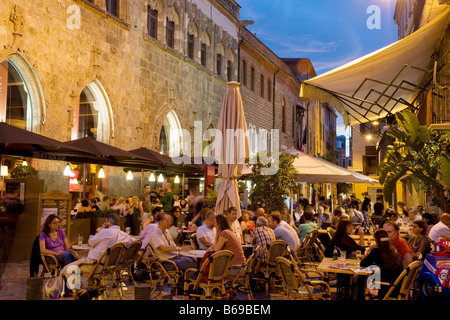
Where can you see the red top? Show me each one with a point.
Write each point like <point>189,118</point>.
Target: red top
<point>402,246</point>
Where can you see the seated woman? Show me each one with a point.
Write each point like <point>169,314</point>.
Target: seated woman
<point>419,242</point>
<point>226,240</point>
<point>342,240</point>
<point>53,240</point>
<point>429,221</point>
<point>85,210</point>
<point>386,258</point>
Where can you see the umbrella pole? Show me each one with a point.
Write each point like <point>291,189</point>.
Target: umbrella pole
<point>182,188</point>
<point>84,180</point>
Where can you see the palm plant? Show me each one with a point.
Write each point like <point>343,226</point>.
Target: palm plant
<point>420,152</point>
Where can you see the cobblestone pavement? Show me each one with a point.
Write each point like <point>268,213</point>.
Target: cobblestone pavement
<point>13,286</point>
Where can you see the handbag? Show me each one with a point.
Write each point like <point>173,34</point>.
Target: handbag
<point>205,273</point>
<point>54,287</point>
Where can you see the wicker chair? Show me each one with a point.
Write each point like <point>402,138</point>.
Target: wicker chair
<point>129,257</point>
<point>241,282</point>
<point>268,270</point>
<point>402,287</point>
<point>99,272</point>
<point>51,263</point>
<point>297,285</point>
<point>219,264</point>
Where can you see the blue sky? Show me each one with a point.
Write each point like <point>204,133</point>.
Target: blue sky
<point>328,32</point>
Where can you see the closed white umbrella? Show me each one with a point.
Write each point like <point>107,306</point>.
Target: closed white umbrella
<point>233,150</point>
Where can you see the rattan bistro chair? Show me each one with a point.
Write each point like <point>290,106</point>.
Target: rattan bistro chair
<point>195,286</point>
<point>402,287</point>
<point>241,282</point>
<point>51,263</point>
<point>101,271</point>
<point>297,286</point>
<point>267,271</point>
<point>126,264</point>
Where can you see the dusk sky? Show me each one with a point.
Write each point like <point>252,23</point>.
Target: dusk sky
<point>328,32</point>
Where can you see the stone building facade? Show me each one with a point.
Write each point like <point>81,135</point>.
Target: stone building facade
<point>141,67</point>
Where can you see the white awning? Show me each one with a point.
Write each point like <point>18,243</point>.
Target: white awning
<point>382,82</point>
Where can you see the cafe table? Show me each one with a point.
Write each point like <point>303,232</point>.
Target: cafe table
<point>82,250</point>
<point>344,270</point>
<point>196,254</point>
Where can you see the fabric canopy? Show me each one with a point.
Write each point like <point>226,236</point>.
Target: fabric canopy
<point>382,82</point>
<point>316,170</point>
<point>233,150</point>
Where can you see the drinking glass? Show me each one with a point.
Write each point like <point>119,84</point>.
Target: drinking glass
<point>80,240</point>
<point>358,255</point>
<point>343,256</point>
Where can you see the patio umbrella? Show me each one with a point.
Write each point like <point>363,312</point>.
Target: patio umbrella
<point>20,142</point>
<point>315,170</point>
<point>233,150</point>
<point>104,153</point>
<point>155,159</point>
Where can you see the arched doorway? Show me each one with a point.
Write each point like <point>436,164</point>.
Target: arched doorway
<point>93,118</point>
<point>21,100</point>
<point>171,135</point>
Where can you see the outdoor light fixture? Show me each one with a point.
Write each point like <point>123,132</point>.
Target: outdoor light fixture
<point>101,173</point>
<point>4,171</point>
<point>67,171</point>
<point>152,177</point>
<point>160,178</point>
<point>177,179</point>
<point>24,163</point>
<point>129,175</point>
<point>369,137</point>
<point>375,123</point>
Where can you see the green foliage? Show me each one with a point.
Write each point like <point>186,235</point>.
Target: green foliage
<point>270,191</point>
<point>419,152</point>
<point>211,198</point>
<point>24,172</point>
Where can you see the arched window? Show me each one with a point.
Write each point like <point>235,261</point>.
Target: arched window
<point>92,116</point>
<point>21,100</point>
<point>171,136</point>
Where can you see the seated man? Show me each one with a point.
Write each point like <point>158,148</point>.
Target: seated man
<point>441,229</point>
<point>262,235</point>
<point>166,249</point>
<point>400,244</point>
<point>107,236</point>
<point>282,232</point>
<point>206,233</point>
<point>147,232</point>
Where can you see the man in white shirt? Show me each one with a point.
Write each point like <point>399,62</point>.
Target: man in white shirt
<point>106,237</point>
<point>165,249</point>
<point>283,231</point>
<point>145,234</point>
<point>206,233</point>
<point>441,229</point>
<point>232,216</point>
